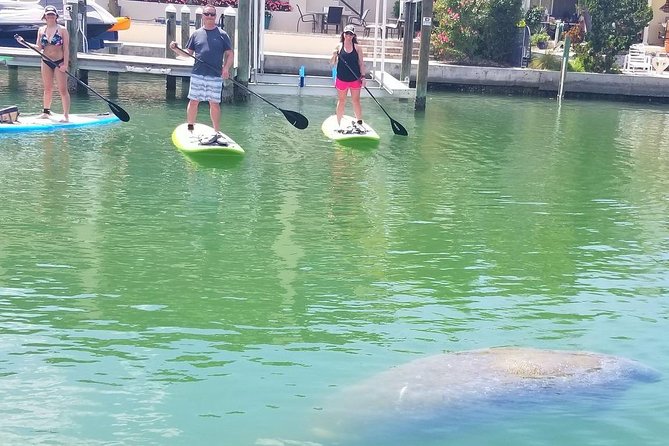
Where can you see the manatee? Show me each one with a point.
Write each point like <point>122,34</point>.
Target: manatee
<point>470,387</point>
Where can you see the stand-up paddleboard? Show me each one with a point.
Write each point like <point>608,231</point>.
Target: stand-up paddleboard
<point>349,130</point>
<point>35,123</point>
<point>202,141</point>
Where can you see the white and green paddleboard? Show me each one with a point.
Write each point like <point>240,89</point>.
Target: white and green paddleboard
<point>201,141</point>
<point>349,130</point>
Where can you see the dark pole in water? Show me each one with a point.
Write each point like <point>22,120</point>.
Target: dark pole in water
<point>229,23</point>
<point>72,25</point>
<point>243,49</point>
<point>407,47</point>
<point>170,36</point>
<point>424,55</point>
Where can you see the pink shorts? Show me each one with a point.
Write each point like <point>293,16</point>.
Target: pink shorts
<point>343,85</point>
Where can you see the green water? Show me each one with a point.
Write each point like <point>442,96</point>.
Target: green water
<point>149,300</point>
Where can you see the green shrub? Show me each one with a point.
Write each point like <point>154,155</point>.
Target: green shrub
<point>533,18</point>
<point>539,37</point>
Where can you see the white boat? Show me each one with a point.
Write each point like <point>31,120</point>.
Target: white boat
<point>24,17</point>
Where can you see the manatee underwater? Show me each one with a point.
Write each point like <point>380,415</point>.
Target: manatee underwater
<point>471,387</point>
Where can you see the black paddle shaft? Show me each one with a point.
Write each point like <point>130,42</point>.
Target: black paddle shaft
<point>115,108</point>
<point>398,128</point>
<point>296,119</point>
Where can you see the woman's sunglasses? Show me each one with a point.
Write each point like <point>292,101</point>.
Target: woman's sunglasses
<point>210,14</point>
<point>348,33</point>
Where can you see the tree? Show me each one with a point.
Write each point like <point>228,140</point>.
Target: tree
<point>616,24</point>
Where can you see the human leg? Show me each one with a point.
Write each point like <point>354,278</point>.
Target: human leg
<point>355,99</point>
<point>341,104</point>
<point>215,114</point>
<point>47,85</point>
<point>61,82</point>
<point>191,111</point>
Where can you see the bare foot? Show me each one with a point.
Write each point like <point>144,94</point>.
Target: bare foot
<point>64,119</point>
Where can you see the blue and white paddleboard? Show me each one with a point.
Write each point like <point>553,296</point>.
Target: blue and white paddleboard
<point>35,123</point>
<point>348,130</point>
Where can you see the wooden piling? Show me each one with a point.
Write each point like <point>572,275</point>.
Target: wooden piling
<point>13,71</point>
<point>185,35</point>
<point>185,25</point>
<point>424,55</point>
<point>170,36</point>
<point>72,8</point>
<point>407,44</point>
<point>243,50</point>
<point>229,18</point>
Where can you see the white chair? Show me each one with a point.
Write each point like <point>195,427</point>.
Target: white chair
<point>637,60</point>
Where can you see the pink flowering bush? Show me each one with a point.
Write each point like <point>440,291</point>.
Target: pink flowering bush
<point>475,30</point>
<point>456,34</point>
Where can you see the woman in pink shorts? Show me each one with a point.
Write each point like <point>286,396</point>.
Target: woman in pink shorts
<point>350,72</point>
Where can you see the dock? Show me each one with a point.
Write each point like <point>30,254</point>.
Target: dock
<point>172,69</point>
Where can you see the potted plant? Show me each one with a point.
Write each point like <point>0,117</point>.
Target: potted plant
<point>540,40</point>
<point>275,5</point>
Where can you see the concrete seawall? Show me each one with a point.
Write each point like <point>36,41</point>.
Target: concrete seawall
<point>285,53</point>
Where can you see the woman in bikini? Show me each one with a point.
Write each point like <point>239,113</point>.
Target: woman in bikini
<point>350,73</point>
<point>54,42</point>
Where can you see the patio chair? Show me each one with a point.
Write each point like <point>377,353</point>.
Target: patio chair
<point>333,17</point>
<point>359,21</point>
<point>637,60</point>
<point>306,18</point>
<point>394,28</point>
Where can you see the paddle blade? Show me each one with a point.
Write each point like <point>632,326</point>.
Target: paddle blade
<point>398,128</point>
<point>119,112</point>
<point>296,119</point>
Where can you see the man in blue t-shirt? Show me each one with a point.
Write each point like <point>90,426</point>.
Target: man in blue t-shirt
<point>211,45</point>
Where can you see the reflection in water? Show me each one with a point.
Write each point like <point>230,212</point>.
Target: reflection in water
<point>148,300</point>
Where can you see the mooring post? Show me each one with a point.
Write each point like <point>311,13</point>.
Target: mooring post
<point>424,55</point>
<point>185,35</point>
<point>170,36</point>
<point>229,24</point>
<point>407,46</point>
<point>13,71</point>
<point>72,25</point>
<point>243,50</point>
<point>198,17</point>
<point>185,25</point>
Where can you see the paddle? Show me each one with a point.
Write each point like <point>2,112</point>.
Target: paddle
<point>398,128</point>
<point>115,108</point>
<point>296,119</point>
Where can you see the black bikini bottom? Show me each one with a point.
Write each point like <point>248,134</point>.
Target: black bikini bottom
<point>53,64</point>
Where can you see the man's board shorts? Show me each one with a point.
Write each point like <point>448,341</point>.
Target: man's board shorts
<point>205,88</point>
<point>343,85</point>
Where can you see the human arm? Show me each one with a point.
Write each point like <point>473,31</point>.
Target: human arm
<point>361,64</point>
<point>66,49</point>
<point>175,47</point>
<point>333,59</point>
<point>229,58</point>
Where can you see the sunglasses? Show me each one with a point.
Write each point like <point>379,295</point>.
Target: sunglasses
<point>349,33</point>
<point>210,14</point>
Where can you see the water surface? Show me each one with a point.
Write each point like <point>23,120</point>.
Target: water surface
<point>149,300</point>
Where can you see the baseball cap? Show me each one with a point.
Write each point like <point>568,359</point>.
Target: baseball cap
<point>50,9</point>
<point>349,29</point>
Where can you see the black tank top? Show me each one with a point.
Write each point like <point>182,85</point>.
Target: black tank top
<point>343,72</point>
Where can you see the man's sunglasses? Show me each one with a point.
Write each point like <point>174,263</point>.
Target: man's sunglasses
<point>210,14</point>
